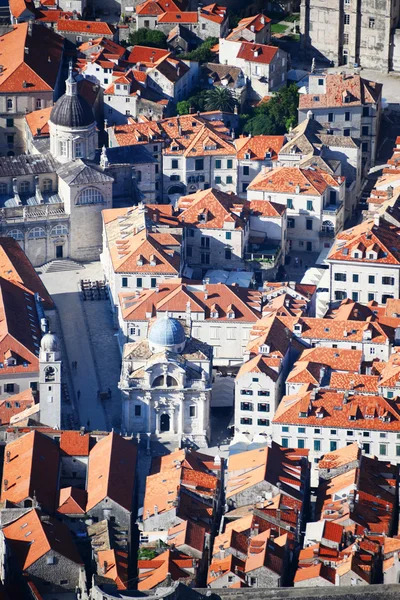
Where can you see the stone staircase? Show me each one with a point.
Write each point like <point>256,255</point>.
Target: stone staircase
<point>60,265</point>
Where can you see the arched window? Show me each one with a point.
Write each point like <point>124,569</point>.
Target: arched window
<point>175,178</point>
<point>16,234</point>
<point>24,186</point>
<point>37,232</point>
<point>3,188</point>
<point>175,189</point>
<point>90,196</point>
<point>171,381</point>
<point>49,374</point>
<point>47,185</point>
<point>59,230</point>
<point>159,381</point>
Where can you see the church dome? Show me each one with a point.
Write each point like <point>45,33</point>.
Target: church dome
<point>167,333</point>
<point>71,110</point>
<point>50,343</point>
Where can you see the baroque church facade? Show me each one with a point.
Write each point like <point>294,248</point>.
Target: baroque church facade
<point>166,384</point>
<point>51,202</point>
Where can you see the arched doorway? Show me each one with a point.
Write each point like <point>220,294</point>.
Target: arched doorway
<point>164,422</point>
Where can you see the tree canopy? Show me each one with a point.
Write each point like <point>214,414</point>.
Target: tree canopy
<point>220,98</point>
<point>276,116</point>
<point>148,37</point>
<point>203,52</point>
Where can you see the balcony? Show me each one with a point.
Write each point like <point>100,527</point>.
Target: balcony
<point>332,209</point>
<point>265,252</point>
<point>327,233</point>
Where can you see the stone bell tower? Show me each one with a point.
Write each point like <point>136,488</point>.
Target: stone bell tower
<point>50,381</point>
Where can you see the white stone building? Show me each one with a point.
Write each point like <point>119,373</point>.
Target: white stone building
<point>50,390</point>
<point>264,66</point>
<point>166,384</point>
<point>314,201</point>
<point>364,263</point>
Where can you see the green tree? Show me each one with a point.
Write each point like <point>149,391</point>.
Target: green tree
<point>220,98</point>
<point>276,116</point>
<point>148,37</point>
<point>203,52</point>
<point>146,554</point>
<point>183,107</point>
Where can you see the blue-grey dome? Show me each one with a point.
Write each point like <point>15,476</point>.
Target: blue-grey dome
<point>166,332</point>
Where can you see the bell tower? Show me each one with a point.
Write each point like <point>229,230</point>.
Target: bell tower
<point>50,381</point>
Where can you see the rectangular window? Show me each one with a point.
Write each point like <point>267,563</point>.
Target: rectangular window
<point>229,179</point>
<point>366,447</point>
<point>199,164</point>
<point>340,276</point>
<point>218,164</point>
<point>139,282</point>
<point>289,203</point>
<point>347,116</point>
<point>174,164</point>
<point>229,163</point>
<point>309,205</point>
<point>301,430</point>
<point>371,278</point>
<point>214,334</point>
<point>330,117</point>
<point>301,443</point>
<point>317,445</point>
<point>365,130</point>
<point>9,388</point>
<point>371,297</point>
<point>309,224</point>
<point>263,393</point>
<point>153,282</point>
<point>9,122</point>
<point>205,242</point>
<point>138,410</point>
<point>333,432</point>
<point>291,223</point>
<point>285,429</point>
<point>333,446</point>
<point>382,449</point>
<point>244,187</point>
<point>192,411</point>
<point>246,406</point>
<point>228,235</point>
<point>10,139</point>
<point>397,450</point>
<point>189,251</point>
<point>387,280</point>
<point>262,407</point>
<point>365,111</point>
<point>364,147</point>
<point>33,385</point>
<point>228,254</point>
<point>9,104</point>
<point>350,433</point>
<point>205,258</point>
<point>354,296</point>
<point>218,179</point>
<point>365,433</point>
<point>246,421</point>
<point>263,422</point>
<point>246,171</point>
<point>346,132</point>
<point>38,104</point>
<point>285,443</point>
<point>371,22</point>
<point>346,18</point>
<point>124,282</point>
<point>345,39</point>
<point>340,295</point>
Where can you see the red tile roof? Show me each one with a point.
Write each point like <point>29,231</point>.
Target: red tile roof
<point>15,404</point>
<point>111,472</point>
<point>255,23</point>
<point>18,8</point>
<point>294,180</point>
<point>258,53</point>
<point>154,572</point>
<point>340,457</point>
<point>343,90</point>
<point>259,146</point>
<point>74,443</point>
<point>31,469</point>
<point>30,71</point>
<point>155,7</point>
<point>31,536</point>
<point>178,17</point>
<point>187,533</point>
<point>72,501</point>
<point>114,565</point>
<point>89,27</point>
<point>38,122</point>
<point>147,56</point>
<point>218,209</point>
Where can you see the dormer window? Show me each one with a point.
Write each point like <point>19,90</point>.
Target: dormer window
<point>202,217</point>
<point>230,314</point>
<point>153,261</point>
<point>303,415</point>
<point>247,156</point>
<point>297,328</point>
<point>268,155</point>
<point>139,261</point>
<point>125,87</point>
<point>214,314</point>
<point>118,86</point>
<point>264,349</point>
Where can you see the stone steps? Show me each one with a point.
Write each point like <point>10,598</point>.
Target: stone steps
<point>55,266</point>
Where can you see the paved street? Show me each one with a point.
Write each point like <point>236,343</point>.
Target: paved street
<point>89,339</point>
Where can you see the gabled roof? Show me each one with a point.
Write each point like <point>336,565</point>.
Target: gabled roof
<point>33,535</point>
<point>19,7</point>
<point>111,472</point>
<point>264,208</point>
<point>214,12</point>
<point>178,17</point>
<point>146,253</point>
<point>340,457</point>
<point>15,404</point>
<point>31,470</point>
<point>74,443</point>
<point>206,141</point>
<point>294,180</point>
<point>89,27</point>
<point>259,146</point>
<point>114,565</point>
<point>254,23</point>
<point>72,501</point>
<point>153,572</point>
<point>187,533</point>
<point>258,364</point>
<point>147,56</point>
<point>38,121</point>
<point>155,7</point>
<point>218,207</point>
<point>258,53</point>
<point>34,70</point>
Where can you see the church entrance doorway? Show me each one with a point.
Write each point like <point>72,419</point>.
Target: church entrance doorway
<point>164,423</point>
<point>59,251</point>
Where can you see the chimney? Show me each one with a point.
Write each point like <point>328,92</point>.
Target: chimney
<point>376,220</point>
<point>105,566</point>
<point>389,192</point>
<point>298,189</point>
<point>262,20</point>
<point>255,529</point>
<point>156,509</point>
<point>8,456</point>
<point>168,580</point>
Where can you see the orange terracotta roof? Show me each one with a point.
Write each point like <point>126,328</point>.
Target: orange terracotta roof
<point>146,55</point>
<point>31,469</point>
<point>178,17</point>
<point>258,147</point>
<point>114,565</point>
<point>111,472</point>
<point>74,443</point>
<point>153,572</point>
<point>294,180</point>
<point>72,501</point>
<point>343,90</point>
<point>338,359</point>
<point>32,71</point>
<point>155,7</point>
<point>361,384</point>
<point>314,571</point>
<point>255,24</point>
<point>259,53</point>
<point>340,457</point>
<point>214,12</point>
<point>15,404</point>
<point>137,254</point>
<point>218,209</point>
<point>264,208</point>
<point>18,8</point>
<point>30,538</point>
<point>89,27</point>
<point>187,533</point>
<point>38,121</point>
<point>223,566</point>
